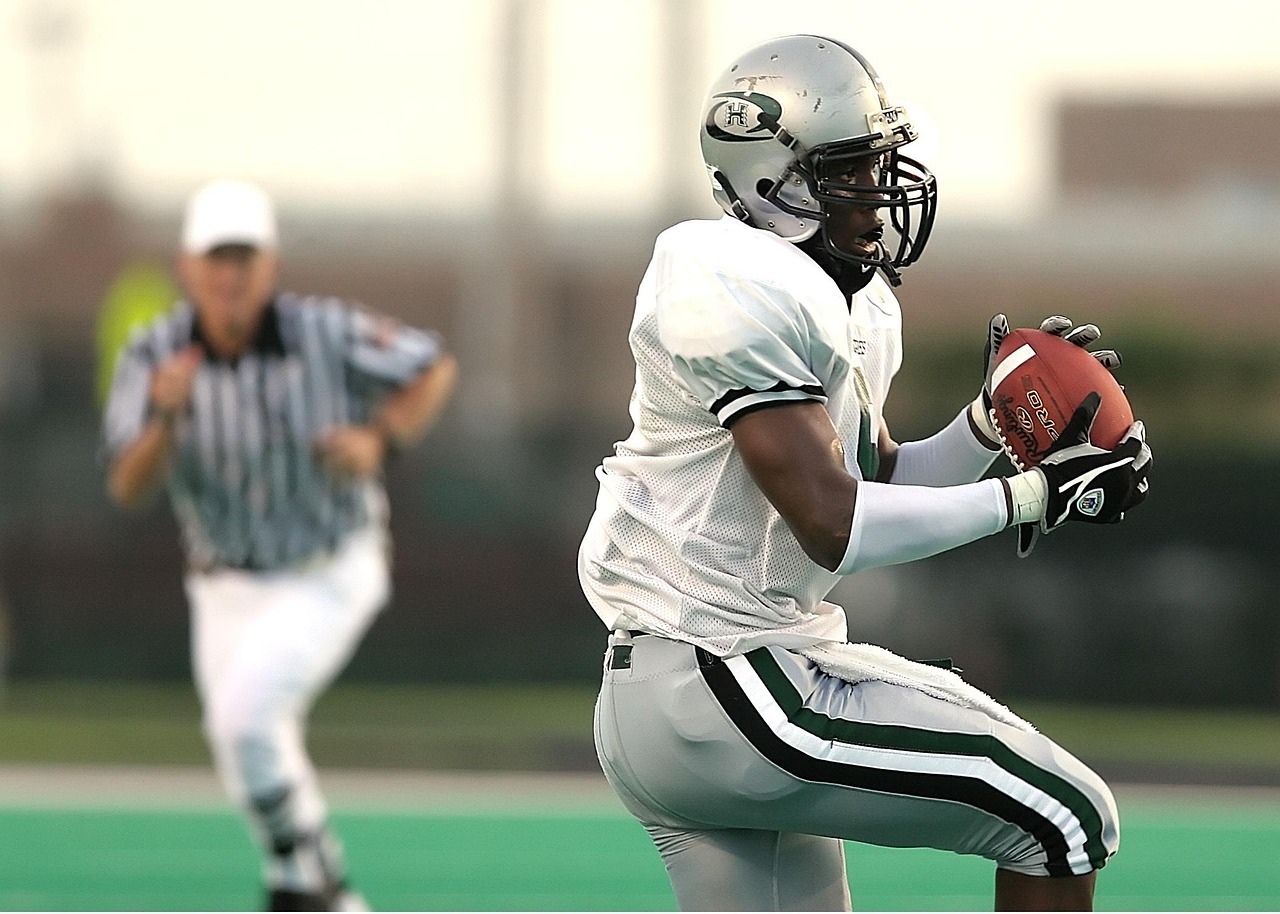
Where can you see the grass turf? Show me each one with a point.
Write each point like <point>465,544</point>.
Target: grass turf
<point>540,727</point>
<point>1175,857</point>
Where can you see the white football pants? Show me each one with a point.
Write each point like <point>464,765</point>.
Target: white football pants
<point>748,771</point>
<point>264,646</point>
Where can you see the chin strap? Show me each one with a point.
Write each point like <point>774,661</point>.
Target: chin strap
<point>890,273</point>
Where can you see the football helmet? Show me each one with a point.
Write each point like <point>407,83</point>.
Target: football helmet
<point>780,129</point>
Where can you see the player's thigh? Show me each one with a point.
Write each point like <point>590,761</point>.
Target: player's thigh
<point>769,742</point>
<point>740,870</point>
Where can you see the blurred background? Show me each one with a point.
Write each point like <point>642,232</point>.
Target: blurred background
<point>497,170</point>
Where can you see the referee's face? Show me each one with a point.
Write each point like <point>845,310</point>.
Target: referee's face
<point>230,286</point>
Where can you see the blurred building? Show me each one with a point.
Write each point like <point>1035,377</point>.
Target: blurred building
<point>1169,211</point>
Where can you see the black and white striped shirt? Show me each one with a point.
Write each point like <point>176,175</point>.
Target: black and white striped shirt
<point>247,487</point>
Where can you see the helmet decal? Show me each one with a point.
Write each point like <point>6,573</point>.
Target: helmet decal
<point>743,117</point>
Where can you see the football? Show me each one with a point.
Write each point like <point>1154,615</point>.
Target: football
<point>1038,382</point>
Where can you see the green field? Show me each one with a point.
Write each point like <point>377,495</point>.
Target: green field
<point>1179,853</point>
<point>548,728</point>
<point>488,798</point>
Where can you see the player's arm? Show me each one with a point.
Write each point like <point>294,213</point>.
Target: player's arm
<point>845,524</point>
<point>795,456</point>
<point>953,456</point>
<point>848,525</point>
<point>887,448</point>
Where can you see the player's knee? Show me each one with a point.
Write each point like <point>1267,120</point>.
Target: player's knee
<point>1076,832</point>
<point>1109,816</point>
<point>1100,819</point>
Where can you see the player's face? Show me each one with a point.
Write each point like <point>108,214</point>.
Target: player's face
<point>856,227</point>
<point>230,286</point>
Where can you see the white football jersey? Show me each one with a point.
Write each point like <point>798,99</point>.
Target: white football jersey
<point>683,543</point>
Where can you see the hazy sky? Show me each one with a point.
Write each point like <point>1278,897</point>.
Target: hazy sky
<point>399,103</point>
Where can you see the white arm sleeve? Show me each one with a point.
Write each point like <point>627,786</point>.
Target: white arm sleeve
<point>949,458</point>
<point>894,524</point>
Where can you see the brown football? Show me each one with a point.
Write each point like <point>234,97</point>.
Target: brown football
<point>1038,382</point>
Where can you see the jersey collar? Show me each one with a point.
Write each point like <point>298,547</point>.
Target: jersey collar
<point>268,340</point>
<point>850,278</point>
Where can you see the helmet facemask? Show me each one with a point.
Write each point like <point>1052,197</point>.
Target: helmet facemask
<point>817,181</point>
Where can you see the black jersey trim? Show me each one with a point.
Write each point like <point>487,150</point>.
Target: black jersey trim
<point>813,390</point>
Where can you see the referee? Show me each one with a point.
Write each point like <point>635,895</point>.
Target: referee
<point>268,415</point>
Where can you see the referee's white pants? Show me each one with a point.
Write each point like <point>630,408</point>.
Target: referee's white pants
<point>264,646</point>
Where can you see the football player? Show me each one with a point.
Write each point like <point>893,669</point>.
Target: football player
<point>735,720</point>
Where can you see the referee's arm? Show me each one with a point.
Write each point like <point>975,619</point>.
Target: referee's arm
<point>359,450</point>
<point>140,468</point>
<point>407,415</point>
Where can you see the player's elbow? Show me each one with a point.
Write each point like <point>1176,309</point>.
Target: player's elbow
<point>820,517</point>
<point>823,535</point>
<point>827,549</point>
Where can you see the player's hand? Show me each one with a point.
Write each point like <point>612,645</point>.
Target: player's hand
<point>352,450</point>
<point>172,380</point>
<point>981,420</point>
<point>1083,336</point>
<point>1087,483</point>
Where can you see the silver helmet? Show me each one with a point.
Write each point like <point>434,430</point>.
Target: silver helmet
<point>779,129</point>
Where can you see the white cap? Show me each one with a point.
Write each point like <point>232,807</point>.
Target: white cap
<point>228,212</point>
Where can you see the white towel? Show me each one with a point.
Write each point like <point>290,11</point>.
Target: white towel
<point>863,662</point>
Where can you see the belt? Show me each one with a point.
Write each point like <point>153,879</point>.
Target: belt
<point>620,654</point>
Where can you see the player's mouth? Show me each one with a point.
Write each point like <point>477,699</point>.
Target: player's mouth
<point>869,243</point>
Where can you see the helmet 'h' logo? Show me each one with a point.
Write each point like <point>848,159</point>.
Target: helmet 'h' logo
<point>743,117</point>
<point>735,115</point>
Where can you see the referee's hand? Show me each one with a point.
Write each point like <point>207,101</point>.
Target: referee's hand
<point>351,450</point>
<point>172,379</point>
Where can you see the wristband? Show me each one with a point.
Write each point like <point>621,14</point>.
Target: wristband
<point>981,426</point>
<point>1028,495</point>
